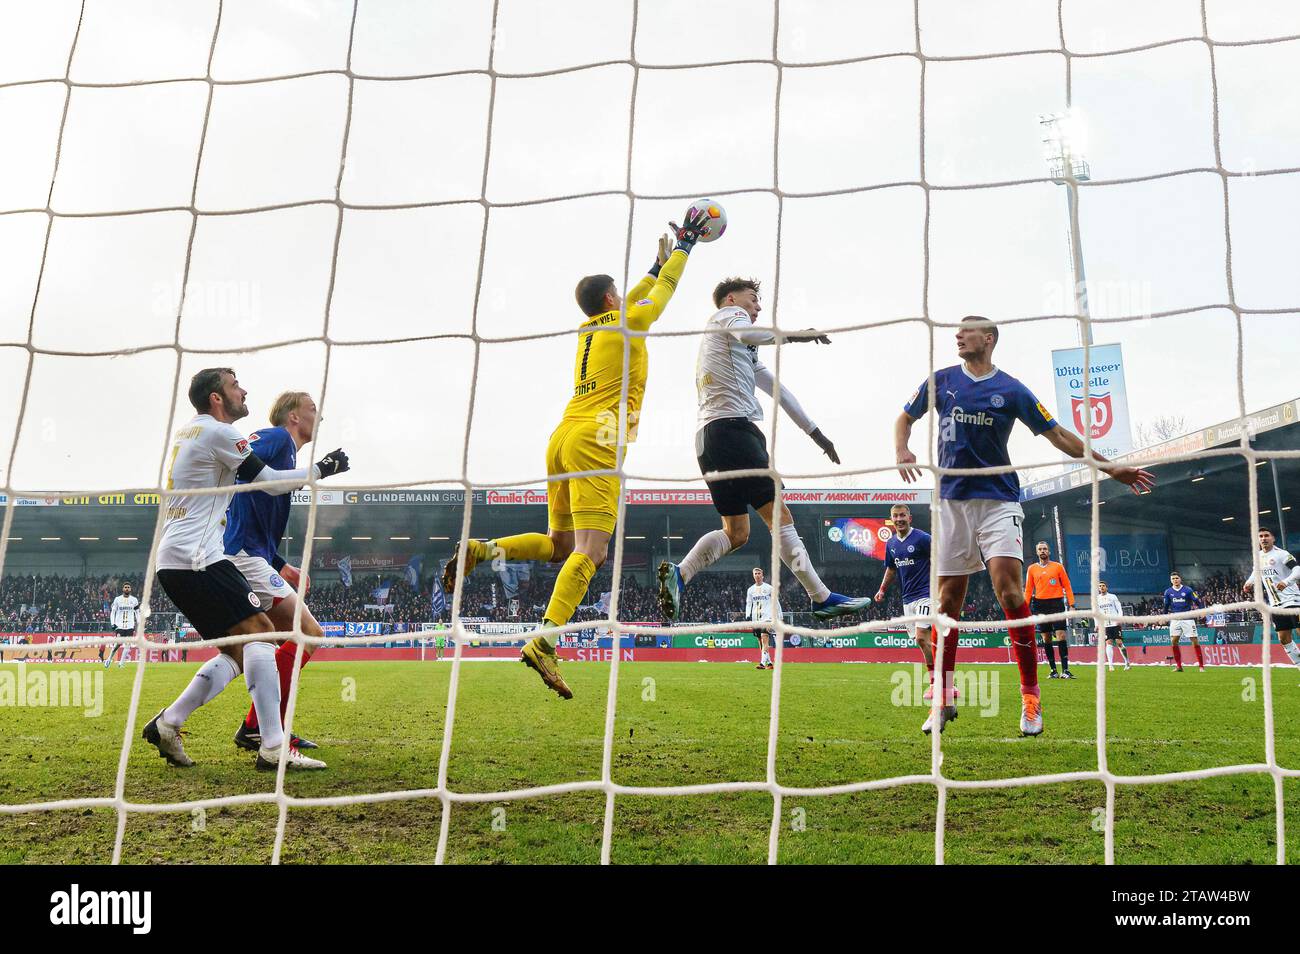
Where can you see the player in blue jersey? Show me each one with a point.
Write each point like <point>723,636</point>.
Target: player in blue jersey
<point>979,521</point>
<point>907,559</point>
<point>255,525</point>
<point>1180,598</point>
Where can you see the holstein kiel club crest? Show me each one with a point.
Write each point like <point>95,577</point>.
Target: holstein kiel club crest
<point>1102,415</point>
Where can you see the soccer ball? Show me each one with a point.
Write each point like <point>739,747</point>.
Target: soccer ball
<point>717,218</point>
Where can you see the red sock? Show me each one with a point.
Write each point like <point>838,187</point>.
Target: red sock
<point>948,664</point>
<point>284,666</point>
<point>1178,656</point>
<point>1022,643</point>
<point>1200,660</point>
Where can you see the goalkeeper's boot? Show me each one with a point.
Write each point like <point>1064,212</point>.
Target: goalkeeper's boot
<point>836,605</point>
<point>1031,714</point>
<point>946,714</point>
<point>476,551</point>
<point>1067,674</point>
<point>251,739</point>
<point>539,656</point>
<point>167,739</point>
<point>268,760</point>
<point>670,590</point>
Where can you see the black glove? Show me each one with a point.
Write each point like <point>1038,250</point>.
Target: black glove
<point>810,335</point>
<point>336,462</point>
<point>689,233</point>
<point>825,444</point>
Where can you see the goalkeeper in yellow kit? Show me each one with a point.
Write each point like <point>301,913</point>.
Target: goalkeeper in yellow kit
<point>582,511</point>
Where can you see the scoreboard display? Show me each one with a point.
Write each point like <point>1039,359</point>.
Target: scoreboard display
<point>865,536</point>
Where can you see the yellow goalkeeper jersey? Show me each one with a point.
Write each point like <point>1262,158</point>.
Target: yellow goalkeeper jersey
<point>598,366</point>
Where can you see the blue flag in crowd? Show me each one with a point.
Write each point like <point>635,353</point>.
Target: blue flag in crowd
<point>439,598</point>
<point>413,568</point>
<point>345,571</point>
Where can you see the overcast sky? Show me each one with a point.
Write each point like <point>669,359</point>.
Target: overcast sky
<point>112,283</point>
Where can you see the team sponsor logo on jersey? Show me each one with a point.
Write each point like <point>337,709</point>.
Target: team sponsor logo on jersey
<point>998,400</point>
<point>254,437</point>
<point>241,447</point>
<point>980,418</point>
<point>645,301</point>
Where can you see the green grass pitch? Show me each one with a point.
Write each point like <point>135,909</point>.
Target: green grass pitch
<point>380,725</point>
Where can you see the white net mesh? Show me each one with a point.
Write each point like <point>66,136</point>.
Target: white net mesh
<point>336,327</point>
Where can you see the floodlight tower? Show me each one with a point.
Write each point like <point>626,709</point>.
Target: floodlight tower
<point>1063,148</point>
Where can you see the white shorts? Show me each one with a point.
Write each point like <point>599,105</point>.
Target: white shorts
<point>1182,627</point>
<point>267,585</point>
<point>916,608</point>
<point>972,531</point>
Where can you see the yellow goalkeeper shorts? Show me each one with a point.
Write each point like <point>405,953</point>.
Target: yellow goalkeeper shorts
<point>581,503</point>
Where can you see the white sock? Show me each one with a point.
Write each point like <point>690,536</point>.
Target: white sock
<point>708,549</point>
<point>263,681</point>
<point>1293,650</point>
<point>1110,654</point>
<point>797,561</point>
<point>766,660</point>
<point>213,676</point>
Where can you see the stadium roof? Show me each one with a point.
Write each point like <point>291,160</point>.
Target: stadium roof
<point>1205,493</point>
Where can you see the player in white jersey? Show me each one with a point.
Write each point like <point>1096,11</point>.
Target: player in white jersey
<point>1281,586</point>
<point>726,375</point>
<point>1112,633</point>
<point>761,606</point>
<point>192,568</point>
<point>123,616</point>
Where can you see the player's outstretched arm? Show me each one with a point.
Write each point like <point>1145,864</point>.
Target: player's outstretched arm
<point>809,334</point>
<point>764,380</point>
<point>903,455</point>
<point>641,289</point>
<point>643,312</point>
<point>1142,481</point>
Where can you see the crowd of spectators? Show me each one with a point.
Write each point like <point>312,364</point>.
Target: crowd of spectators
<point>48,604</point>
<point>82,603</point>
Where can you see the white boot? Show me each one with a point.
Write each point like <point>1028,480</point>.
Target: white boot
<point>268,760</point>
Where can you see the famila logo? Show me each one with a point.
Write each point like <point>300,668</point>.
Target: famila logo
<point>980,418</point>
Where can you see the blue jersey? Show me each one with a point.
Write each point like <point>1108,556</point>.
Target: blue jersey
<point>256,520</point>
<point>975,419</point>
<point>1181,600</point>
<point>910,558</point>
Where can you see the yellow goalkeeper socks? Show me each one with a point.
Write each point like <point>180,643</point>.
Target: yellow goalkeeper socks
<point>570,587</point>
<point>524,546</point>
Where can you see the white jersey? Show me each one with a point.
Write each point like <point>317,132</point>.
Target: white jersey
<point>1109,603</point>
<point>124,613</point>
<point>727,372</point>
<point>759,603</point>
<point>1278,565</point>
<point>205,453</point>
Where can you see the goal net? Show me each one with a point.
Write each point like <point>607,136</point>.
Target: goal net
<point>390,202</point>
